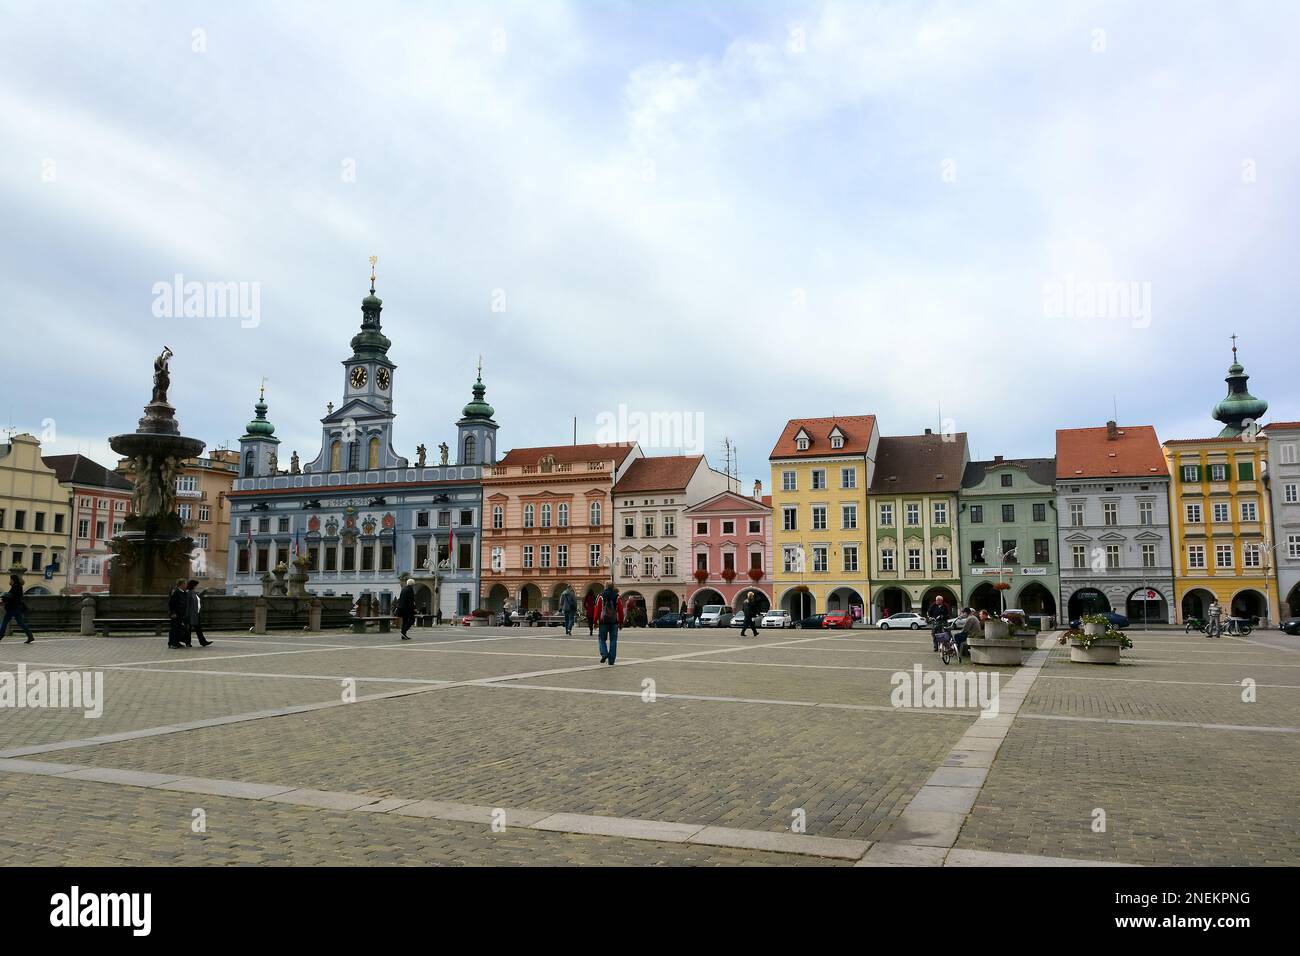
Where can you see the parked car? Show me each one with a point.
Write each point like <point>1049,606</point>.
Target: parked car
<point>838,620</point>
<point>716,615</point>
<point>671,619</point>
<point>1118,621</point>
<point>777,618</point>
<point>904,619</point>
<point>738,619</point>
<point>1291,625</point>
<point>812,620</point>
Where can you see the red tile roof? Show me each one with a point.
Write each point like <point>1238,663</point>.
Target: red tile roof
<point>661,473</point>
<point>1090,453</point>
<point>920,463</point>
<point>857,430</point>
<point>568,454</point>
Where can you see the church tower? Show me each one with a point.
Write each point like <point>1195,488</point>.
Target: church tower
<point>258,444</point>
<point>476,432</point>
<point>1239,409</point>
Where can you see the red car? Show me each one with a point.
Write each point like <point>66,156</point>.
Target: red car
<point>839,620</point>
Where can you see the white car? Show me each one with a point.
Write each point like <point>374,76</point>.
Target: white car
<point>904,619</point>
<point>777,618</point>
<point>715,615</point>
<point>737,620</point>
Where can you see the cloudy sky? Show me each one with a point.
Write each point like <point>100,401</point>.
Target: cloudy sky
<point>745,212</point>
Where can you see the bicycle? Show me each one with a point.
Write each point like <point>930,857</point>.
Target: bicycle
<point>948,648</point>
<point>1238,626</point>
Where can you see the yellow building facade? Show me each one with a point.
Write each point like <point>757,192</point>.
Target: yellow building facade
<point>35,513</point>
<point>821,471</point>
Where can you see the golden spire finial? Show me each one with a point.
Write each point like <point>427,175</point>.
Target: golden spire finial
<point>262,395</point>
<point>373,260</point>
<point>480,368</point>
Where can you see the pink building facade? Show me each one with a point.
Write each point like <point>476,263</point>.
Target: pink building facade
<point>731,548</point>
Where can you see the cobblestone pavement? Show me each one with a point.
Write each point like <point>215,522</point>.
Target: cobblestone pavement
<point>747,734</point>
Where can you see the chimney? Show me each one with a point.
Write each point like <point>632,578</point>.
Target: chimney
<point>997,457</point>
<point>758,490</point>
<point>928,432</point>
<point>1112,431</point>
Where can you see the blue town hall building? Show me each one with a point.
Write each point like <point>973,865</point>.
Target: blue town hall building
<point>360,512</point>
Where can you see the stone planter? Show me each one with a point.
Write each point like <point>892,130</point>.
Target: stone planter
<point>1094,630</point>
<point>996,629</point>
<point>480,621</point>
<point>996,653</point>
<point>1028,641</point>
<point>1102,651</point>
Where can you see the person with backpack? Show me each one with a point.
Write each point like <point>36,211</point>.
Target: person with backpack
<point>15,610</point>
<point>609,612</point>
<point>569,608</point>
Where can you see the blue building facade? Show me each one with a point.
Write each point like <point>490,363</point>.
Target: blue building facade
<point>362,514</point>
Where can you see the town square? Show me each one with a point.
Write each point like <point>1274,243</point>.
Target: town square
<point>457,439</point>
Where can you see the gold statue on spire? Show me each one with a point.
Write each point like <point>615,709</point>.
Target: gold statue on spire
<point>373,260</point>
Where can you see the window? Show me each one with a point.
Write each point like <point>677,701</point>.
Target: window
<point>372,453</point>
<point>1112,556</point>
<point>629,563</point>
<point>756,527</point>
<point>471,450</point>
<point>349,559</point>
<point>701,527</point>
<point>354,462</point>
<point>1146,512</point>
<point>1287,452</point>
<point>1293,546</point>
<point>670,565</point>
<point>332,557</point>
<point>1223,555</point>
<point>789,559</point>
<point>546,515</point>
<point>593,556</point>
<point>1008,512</point>
<point>886,559</point>
<point>38,558</point>
<point>1040,511</point>
<point>263,525</point>
<point>562,515</point>
<point>1245,471</point>
<point>385,557</point>
<point>913,514</point>
<point>498,517</point>
<point>205,513</point>
<point>837,441</point>
<point>40,521</point>
<point>848,517</point>
<point>1221,511</point>
<point>670,526</point>
<point>788,482</point>
<point>941,559</point>
<point>183,511</point>
<point>1006,481</point>
<point>1009,551</point>
<point>729,527</point>
<point>1042,551</point>
<point>1252,555</point>
<point>422,519</point>
<point>530,515</point>
<point>1076,514</point>
<point>284,524</point>
<point>1290,494</point>
<point>629,526</point>
<point>1218,472</point>
<point>594,514</point>
<point>819,518</point>
<point>976,514</point>
<point>187,483</point>
<point>850,557</point>
<point>83,528</point>
<point>801,444</point>
<point>263,562</point>
<point>1249,511</point>
<point>914,559</point>
<point>819,479</point>
<point>886,516</point>
<point>2,517</point>
<point>848,477</point>
<point>648,565</point>
<point>819,558</point>
<point>756,560</point>
<point>1193,514</point>
<point>1148,555</point>
<point>941,512</point>
<point>20,520</point>
<point>1191,473</point>
<point>546,555</point>
<point>977,552</point>
<point>241,561</point>
<point>528,555</point>
<point>789,519</point>
<point>1110,513</point>
<point>1078,556</point>
<point>368,557</point>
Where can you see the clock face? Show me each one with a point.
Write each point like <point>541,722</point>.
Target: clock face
<point>358,377</point>
<point>382,379</point>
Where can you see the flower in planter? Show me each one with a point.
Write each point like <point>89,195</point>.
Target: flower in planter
<point>755,574</point>
<point>728,575</point>
<point>701,575</point>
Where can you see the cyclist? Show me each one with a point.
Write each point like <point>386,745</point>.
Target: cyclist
<point>938,616</point>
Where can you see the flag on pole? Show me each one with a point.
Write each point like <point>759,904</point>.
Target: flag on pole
<point>451,544</point>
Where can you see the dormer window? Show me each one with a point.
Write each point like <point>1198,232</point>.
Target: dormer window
<point>837,441</point>
<point>801,443</point>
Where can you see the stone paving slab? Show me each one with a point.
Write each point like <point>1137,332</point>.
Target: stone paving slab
<point>781,842</point>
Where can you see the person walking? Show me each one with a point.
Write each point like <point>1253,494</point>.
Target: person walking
<point>569,608</point>
<point>589,605</point>
<point>178,609</point>
<point>748,607</point>
<point>193,609</point>
<point>15,610</point>
<point>405,609</point>
<point>609,611</point>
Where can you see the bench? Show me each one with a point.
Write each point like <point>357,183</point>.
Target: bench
<point>104,625</point>
<point>385,622</point>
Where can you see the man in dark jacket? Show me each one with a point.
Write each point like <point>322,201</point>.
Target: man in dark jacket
<point>938,615</point>
<point>178,606</point>
<point>609,612</point>
<point>569,608</point>
<point>406,608</point>
<point>748,608</point>
<point>15,610</point>
<point>193,607</point>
